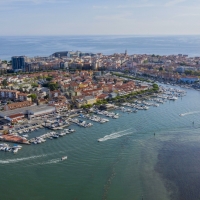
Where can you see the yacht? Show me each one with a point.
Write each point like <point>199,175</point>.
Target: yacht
<point>26,135</point>
<point>55,136</point>
<point>145,107</point>
<point>39,141</point>
<point>7,149</point>
<point>71,130</point>
<point>173,98</point>
<point>4,145</point>
<point>62,133</point>
<point>17,146</point>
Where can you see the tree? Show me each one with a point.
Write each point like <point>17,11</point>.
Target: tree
<point>49,78</point>
<point>4,82</point>
<point>188,72</point>
<point>33,96</point>
<point>34,85</point>
<point>53,86</point>
<point>161,69</point>
<point>4,61</point>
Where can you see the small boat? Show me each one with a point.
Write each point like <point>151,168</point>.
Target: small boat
<point>55,136</point>
<point>64,158</point>
<point>71,130</point>
<point>62,134</point>
<point>26,135</point>
<point>15,150</point>
<point>17,146</point>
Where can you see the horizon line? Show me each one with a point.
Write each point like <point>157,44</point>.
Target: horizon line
<point>133,35</point>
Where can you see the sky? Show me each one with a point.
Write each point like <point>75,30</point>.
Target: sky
<point>102,17</point>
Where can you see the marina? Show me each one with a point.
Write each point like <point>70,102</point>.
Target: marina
<point>22,133</point>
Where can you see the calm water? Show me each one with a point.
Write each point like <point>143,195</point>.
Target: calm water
<point>45,46</point>
<point>133,166</point>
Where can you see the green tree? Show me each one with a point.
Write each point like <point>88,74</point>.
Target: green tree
<point>49,78</point>
<point>34,85</point>
<point>33,96</point>
<point>4,82</point>
<point>53,86</point>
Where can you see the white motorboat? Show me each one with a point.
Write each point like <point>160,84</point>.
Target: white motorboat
<point>17,147</point>
<point>4,145</point>
<point>26,135</point>
<point>62,133</point>
<point>64,158</point>
<point>15,150</point>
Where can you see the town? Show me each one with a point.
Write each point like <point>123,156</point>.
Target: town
<point>49,91</point>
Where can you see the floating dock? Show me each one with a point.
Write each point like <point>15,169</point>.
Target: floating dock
<point>14,139</point>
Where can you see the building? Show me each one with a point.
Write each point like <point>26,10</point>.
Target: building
<point>29,112</point>
<point>90,100</point>
<point>9,94</point>
<point>182,69</point>
<point>38,111</point>
<point>189,79</point>
<point>16,105</point>
<point>18,63</point>
<point>60,54</point>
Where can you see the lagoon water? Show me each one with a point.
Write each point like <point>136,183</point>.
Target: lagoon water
<point>130,164</point>
<point>47,45</point>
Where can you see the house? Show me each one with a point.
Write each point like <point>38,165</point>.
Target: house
<point>90,100</point>
<point>112,95</point>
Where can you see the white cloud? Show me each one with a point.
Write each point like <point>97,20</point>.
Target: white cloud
<point>174,2</point>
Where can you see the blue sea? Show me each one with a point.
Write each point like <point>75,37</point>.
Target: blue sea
<point>46,45</point>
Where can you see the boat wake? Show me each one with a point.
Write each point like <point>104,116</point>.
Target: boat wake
<point>21,159</point>
<point>53,161</point>
<point>189,113</point>
<point>114,135</point>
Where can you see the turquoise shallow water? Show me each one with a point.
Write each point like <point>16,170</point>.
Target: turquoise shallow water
<point>133,166</point>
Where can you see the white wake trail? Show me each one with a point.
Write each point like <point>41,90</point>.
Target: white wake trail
<point>114,135</point>
<point>189,113</point>
<point>21,159</point>
<point>53,161</point>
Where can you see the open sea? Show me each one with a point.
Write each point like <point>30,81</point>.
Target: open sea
<point>131,163</point>
<point>46,45</point>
